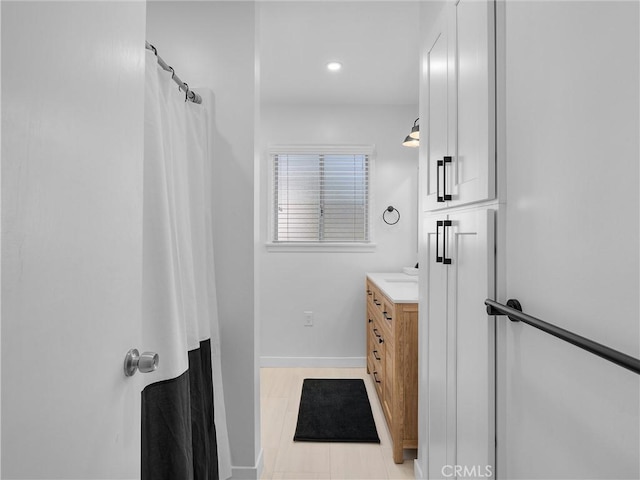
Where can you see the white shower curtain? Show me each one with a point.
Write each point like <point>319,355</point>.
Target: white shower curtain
<point>184,431</point>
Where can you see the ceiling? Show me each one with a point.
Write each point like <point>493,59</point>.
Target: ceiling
<point>376,41</point>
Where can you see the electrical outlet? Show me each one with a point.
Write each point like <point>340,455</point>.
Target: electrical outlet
<point>308,319</point>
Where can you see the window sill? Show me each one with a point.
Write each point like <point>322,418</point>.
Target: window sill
<point>320,247</point>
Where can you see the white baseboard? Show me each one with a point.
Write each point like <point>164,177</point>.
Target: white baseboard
<point>318,362</point>
<point>417,469</point>
<point>260,464</point>
<point>249,473</point>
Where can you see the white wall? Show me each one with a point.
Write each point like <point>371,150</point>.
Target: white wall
<point>211,45</point>
<point>331,284</point>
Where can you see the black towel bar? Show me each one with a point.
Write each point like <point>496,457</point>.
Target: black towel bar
<point>514,311</point>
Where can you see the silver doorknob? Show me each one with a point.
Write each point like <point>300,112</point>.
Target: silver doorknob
<point>147,362</point>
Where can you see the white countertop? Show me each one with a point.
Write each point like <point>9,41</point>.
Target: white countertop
<point>398,287</point>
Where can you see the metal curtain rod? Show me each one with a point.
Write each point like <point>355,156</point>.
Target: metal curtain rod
<point>190,94</point>
<point>514,311</point>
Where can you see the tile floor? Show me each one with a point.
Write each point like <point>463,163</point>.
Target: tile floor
<point>286,459</point>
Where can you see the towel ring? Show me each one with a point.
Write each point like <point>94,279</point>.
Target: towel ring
<point>390,209</point>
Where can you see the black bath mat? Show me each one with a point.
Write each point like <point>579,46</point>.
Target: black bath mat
<point>335,410</point>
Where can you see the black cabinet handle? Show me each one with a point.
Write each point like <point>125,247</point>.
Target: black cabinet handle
<point>370,321</point>
<point>380,340</point>
<point>369,292</point>
<point>375,377</point>
<point>438,225</point>
<point>386,317</point>
<point>376,302</point>
<point>439,163</point>
<point>442,163</point>
<point>445,260</point>
<point>444,177</point>
<point>376,333</point>
<point>444,224</point>
<point>375,355</point>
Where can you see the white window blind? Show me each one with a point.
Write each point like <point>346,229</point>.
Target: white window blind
<point>321,197</point>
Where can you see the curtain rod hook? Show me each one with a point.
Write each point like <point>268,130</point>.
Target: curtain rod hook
<point>186,91</point>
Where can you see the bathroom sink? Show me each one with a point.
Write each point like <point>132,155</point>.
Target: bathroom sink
<point>402,280</point>
<point>398,287</point>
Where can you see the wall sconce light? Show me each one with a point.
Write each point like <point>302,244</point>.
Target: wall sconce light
<point>413,139</point>
<point>411,142</point>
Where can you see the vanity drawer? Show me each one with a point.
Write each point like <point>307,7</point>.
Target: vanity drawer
<point>369,293</point>
<point>376,357</point>
<point>370,363</point>
<point>378,339</point>
<point>377,298</point>
<point>386,317</point>
<point>389,384</point>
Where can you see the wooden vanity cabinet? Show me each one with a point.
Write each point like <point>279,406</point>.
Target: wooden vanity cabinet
<point>392,362</point>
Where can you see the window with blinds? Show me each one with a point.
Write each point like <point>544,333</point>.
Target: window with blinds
<point>321,197</point>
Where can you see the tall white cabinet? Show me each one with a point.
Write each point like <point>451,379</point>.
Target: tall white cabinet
<point>500,399</point>
<point>457,246</point>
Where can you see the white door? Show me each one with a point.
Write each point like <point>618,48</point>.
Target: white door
<point>572,239</point>
<point>471,175</point>
<point>460,344</point>
<point>435,88</point>
<point>458,91</point>
<point>433,313</point>
<point>72,154</point>
<point>471,343</point>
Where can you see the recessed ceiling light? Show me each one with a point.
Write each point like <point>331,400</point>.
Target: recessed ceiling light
<point>334,66</point>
